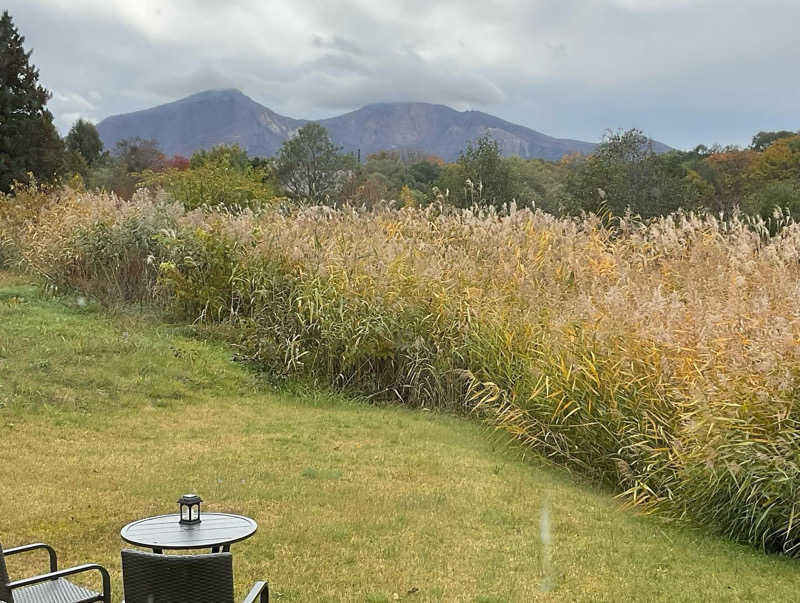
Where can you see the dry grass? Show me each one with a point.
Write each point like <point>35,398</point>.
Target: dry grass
<point>107,419</point>
<point>659,358</point>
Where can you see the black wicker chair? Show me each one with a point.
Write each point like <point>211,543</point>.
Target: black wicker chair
<point>51,587</point>
<point>154,578</point>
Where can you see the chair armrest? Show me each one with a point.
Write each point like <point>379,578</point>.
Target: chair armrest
<point>67,572</point>
<point>259,592</point>
<point>32,547</point>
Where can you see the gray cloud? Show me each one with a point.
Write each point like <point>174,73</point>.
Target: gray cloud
<point>184,83</point>
<point>337,43</point>
<point>685,71</point>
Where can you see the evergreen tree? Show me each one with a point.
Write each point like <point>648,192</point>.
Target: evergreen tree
<point>29,141</point>
<point>84,139</point>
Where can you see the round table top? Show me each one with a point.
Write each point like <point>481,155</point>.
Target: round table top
<point>164,531</point>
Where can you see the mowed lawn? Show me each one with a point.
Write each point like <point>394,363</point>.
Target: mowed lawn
<point>109,417</point>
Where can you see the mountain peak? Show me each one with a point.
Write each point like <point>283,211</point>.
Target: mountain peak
<point>202,121</point>
<point>216,94</point>
<point>404,104</point>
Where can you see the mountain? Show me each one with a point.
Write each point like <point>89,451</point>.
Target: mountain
<point>218,117</point>
<point>441,131</point>
<point>202,121</point>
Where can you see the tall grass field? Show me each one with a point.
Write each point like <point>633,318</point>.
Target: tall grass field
<point>107,415</point>
<point>659,358</point>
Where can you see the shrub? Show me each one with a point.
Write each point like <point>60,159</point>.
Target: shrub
<point>17,210</point>
<point>221,178</point>
<point>100,244</point>
<point>783,195</point>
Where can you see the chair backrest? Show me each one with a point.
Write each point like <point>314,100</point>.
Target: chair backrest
<point>5,593</point>
<point>152,578</point>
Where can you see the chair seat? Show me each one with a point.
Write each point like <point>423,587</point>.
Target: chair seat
<point>54,591</point>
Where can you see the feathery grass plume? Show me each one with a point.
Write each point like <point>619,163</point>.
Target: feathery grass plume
<point>659,357</point>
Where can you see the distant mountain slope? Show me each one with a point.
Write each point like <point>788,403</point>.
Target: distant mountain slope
<point>441,131</point>
<point>202,121</point>
<point>218,117</point>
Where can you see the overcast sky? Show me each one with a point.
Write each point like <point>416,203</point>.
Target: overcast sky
<point>684,71</point>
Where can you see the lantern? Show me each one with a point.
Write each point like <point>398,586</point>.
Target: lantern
<point>189,505</point>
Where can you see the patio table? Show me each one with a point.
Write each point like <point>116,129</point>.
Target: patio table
<point>216,531</point>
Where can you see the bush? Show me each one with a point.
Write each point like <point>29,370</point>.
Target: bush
<point>783,195</point>
<point>222,178</point>
<point>100,244</point>
<point>18,210</point>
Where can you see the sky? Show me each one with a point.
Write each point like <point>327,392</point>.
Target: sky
<point>684,71</point>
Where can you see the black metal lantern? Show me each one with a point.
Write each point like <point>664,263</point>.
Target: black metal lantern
<point>189,505</point>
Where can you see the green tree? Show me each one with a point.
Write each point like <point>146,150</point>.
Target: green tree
<point>763,139</point>
<point>264,166</point>
<point>233,156</point>
<point>84,140</point>
<point>625,174</point>
<point>781,195</point>
<point>387,172</point>
<point>310,166</point>
<point>539,183</point>
<point>74,163</point>
<point>84,150</point>
<point>28,140</point>
<point>424,173</point>
<point>487,178</point>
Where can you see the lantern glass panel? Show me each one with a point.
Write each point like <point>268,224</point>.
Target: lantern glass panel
<point>193,512</point>
<point>186,512</point>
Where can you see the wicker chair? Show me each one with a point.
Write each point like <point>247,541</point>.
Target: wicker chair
<point>154,578</point>
<point>51,587</point>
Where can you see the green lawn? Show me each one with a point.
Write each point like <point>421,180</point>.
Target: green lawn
<point>106,418</point>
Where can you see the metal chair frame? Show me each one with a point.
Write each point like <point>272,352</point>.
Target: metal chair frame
<point>7,587</point>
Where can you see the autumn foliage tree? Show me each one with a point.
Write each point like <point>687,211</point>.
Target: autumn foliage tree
<point>762,140</point>
<point>779,161</point>
<point>729,178</point>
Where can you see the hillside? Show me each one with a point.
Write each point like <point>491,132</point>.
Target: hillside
<point>202,121</point>
<point>440,130</point>
<point>218,117</point>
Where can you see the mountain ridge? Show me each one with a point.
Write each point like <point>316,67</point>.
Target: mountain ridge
<point>228,116</point>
